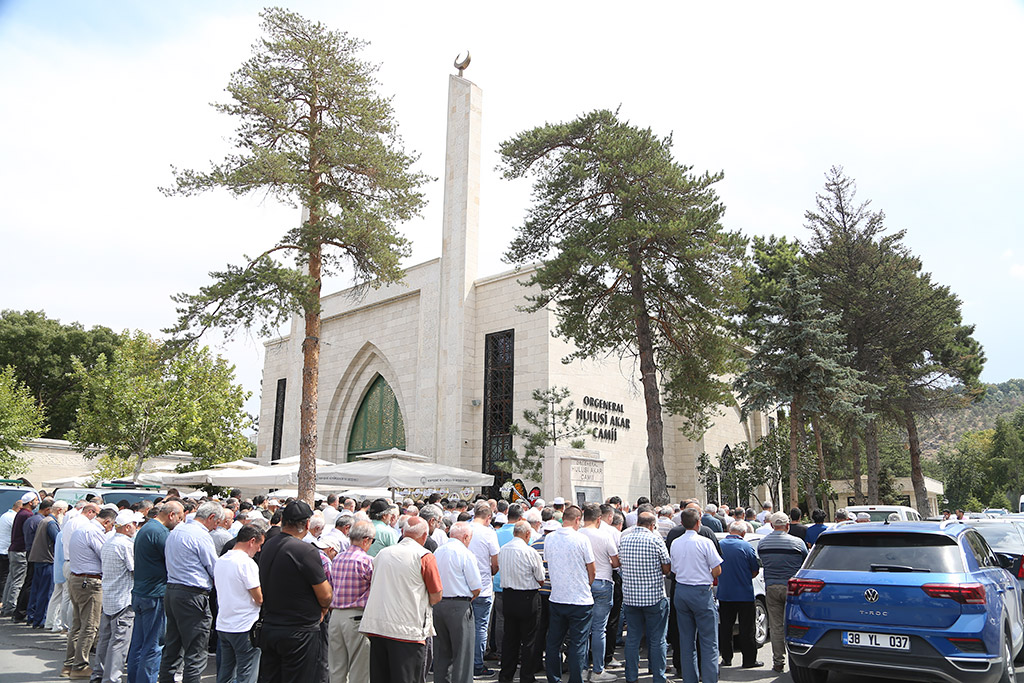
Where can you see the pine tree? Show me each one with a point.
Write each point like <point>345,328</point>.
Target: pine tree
<point>312,132</point>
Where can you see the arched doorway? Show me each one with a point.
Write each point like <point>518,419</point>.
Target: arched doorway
<point>378,424</point>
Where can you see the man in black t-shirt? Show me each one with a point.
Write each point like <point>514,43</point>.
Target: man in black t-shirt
<point>795,527</point>
<point>296,596</point>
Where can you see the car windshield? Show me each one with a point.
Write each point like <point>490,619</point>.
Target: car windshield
<point>1002,537</point>
<point>886,552</point>
<point>131,496</point>
<point>7,498</point>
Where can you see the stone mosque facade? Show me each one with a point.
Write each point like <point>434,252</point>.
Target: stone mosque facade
<point>442,363</point>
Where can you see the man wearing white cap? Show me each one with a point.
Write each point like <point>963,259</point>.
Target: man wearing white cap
<point>118,561</point>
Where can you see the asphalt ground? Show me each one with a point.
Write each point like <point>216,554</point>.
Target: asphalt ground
<point>35,656</point>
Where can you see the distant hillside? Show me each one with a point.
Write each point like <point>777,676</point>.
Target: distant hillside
<point>1000,400</point>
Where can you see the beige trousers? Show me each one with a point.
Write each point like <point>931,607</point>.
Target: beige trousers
<point>348,650</point>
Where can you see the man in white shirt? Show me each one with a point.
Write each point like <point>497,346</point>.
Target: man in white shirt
<point>522,574</point>
<point>453,616</point>
<point>606,558</point>
<point>340,531</point>
<point>484,546</point>
<point>6,524</point>
<point>117,618</point>
<point>696,564</point>
<point>239,597</point>
<point>570,560</point>
<point>331,511</point>
<point>765,513</point>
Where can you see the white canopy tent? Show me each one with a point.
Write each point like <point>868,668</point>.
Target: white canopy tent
<point>396,470</point>
<point>277,475</point>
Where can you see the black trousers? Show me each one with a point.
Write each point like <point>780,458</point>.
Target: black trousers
<point>541,639</point>
<point>728,612</point>
<point>26,590</point>
<point>522,612</point>
<point>290,655</point>
<point>5,567</point>
<point>393,661</point>
<point>612,632</point>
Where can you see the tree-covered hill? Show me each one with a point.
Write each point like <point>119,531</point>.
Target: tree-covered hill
<point>1000,400</point>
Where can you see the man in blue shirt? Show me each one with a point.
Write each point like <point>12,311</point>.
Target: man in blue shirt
<point>190,557</point>
<point>815,529</point>
<point>148,593</point>
<point>736,596</point>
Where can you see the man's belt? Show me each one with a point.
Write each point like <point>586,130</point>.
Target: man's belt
<point>457,597</point>
<point>87,576</point>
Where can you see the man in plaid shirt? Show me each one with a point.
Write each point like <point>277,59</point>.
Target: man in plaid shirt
<point>645,562</point>
<point>348,653</point>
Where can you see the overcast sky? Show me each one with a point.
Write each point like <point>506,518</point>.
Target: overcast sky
<point>921,102</point>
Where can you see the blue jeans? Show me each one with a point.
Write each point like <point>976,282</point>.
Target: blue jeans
<point>698,619</point>
<point>651,622</point>
<point>572,622</point>
<point>147,640</point>
<point>39,598</point>
<point>481,617</point>
<point>237,660</point>
<point>604,593</point>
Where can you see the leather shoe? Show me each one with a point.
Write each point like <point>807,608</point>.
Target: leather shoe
<point>779,668</point>
<point>752,665</point>
<point>65,671</point>
<point>483,672</point>
<point>726,662</point>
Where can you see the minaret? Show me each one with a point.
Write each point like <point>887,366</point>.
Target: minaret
<point>461,226</point>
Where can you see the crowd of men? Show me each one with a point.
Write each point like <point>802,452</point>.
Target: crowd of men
<point>393,592</point>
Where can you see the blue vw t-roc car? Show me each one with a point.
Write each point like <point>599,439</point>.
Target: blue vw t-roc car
<point>919,601</point>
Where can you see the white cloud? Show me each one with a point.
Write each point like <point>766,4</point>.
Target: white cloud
<point>1017,270</point>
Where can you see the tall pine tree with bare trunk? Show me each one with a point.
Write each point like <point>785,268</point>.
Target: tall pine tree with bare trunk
<point>313,133</point>
<point>634,261</point>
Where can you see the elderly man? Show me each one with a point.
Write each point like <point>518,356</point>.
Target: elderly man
<point>148,592</point>
<point>118,558</point>
<point>522,575</point>
<point>85,585</point>
<point>736,595</point>
<point>484,546</point>
<point>382,517</point>
<point>239,598</point>
<point>398,617</point>
<point>781,556</point>
<point>348,653</point>
<point>453,615</point>
<point>645,562</point>
<point>191,557</point>
<point>6,525</point>
<point>296,596</point>
<point>331,511</point>
<point>696,564</point>
<point>432,514</point>
<point>710,520</point>
<point>765,513</point>
<point>340,531</point>
<point>570,562</point>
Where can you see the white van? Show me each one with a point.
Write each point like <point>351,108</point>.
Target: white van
<point>880,513</point>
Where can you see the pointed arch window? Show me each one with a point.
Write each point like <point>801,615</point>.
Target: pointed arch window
<point>378,424</point>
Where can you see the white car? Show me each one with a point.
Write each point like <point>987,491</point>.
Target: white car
<point>880,513</point>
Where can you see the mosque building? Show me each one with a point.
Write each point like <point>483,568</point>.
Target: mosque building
<point>444,362</point>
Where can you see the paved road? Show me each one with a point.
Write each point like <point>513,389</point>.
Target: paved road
<point>30,656</point>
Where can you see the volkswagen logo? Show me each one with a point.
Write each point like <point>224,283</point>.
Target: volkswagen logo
<point>871,595</point>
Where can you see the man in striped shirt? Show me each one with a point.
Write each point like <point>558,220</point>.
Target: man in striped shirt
<point>522,574</point>
<point>348,651</point>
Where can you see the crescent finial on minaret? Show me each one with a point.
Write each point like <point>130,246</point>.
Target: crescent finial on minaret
<point>461,65</point>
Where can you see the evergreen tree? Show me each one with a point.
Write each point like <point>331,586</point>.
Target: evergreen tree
<point>552,422</point>
<point>22,419</point>
<point>802,361</point>
<point>313,132</point>
<point>634,261</point>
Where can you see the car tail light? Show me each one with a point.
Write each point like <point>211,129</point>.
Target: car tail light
<point>969,644</point>
<point>964,593</point>
<point>1020,567</point>
<point>801,586</point>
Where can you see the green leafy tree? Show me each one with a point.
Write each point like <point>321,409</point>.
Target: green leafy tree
<point>1008,455</point>
<point>802,361</point>
<point>634,261</point>
<point>312,131</point>
<point>40,350</point>
<point>965,468</point>
<point>733,479</point>
<point>553,421</point>
<point>1000,501</point>
<point>770,460</point>
<point>765,274</point>
<point>22,419</point>
<point>140,405</point>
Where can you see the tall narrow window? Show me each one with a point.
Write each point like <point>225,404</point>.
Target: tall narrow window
<point>378,424</point>
<point>499,371</point>
<point>275,450</point>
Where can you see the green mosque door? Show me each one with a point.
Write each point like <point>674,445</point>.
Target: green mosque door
<point>378,424</point>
